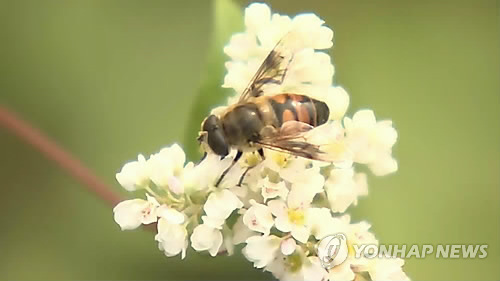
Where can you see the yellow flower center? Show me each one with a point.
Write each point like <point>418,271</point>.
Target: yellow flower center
<point>294,262</point>
<point>252,159</point>
<point>296,217</point>
<point>280,158</point>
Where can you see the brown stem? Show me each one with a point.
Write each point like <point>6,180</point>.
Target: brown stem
<point>56,153</point>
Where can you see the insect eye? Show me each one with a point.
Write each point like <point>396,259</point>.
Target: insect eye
<point>214,136</point>
<point>217,142</point>
<point>210,123</point>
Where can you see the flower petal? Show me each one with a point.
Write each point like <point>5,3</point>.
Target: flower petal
<point>206,238</point>
<point>130,214</point>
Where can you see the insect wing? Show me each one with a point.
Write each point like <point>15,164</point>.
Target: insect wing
<point>291,138</point>
<point>274,67</point>
<point>293,129</point>
<point>298,148</point>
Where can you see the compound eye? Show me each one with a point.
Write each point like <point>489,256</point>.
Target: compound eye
<point>217,142</point>
<point>210,123</point>
<point>215,136</point>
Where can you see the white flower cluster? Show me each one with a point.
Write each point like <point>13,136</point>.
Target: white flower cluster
<point>285,204</point>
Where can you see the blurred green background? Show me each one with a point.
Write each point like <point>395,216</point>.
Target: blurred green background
<point>111,79</point>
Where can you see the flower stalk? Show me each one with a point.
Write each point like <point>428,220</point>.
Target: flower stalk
<point>57,154</point>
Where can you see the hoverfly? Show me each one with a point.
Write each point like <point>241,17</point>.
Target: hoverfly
<point>257,121</point>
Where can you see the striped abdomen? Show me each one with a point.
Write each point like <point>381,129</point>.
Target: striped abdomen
<point>288,107</point>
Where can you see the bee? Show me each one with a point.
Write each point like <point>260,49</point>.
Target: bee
<point>257,121</point>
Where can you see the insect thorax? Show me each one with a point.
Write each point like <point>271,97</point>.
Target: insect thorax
<point>242,124</point>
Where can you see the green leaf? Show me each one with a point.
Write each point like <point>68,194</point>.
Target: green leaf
<point>228,19</point>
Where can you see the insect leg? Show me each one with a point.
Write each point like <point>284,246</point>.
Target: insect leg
<point>261,153</point>
<point>236,158</point>
<point>243,175</point>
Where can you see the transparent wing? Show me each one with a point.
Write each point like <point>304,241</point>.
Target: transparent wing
<point>298,148</point>
<point>291,138</point>
<point>273,69</point>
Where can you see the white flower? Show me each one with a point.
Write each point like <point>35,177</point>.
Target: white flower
<point>241,46</point>
<point>171,215</point>
<point>297,267</point>
<point>343,188</point>
<point>227,246</point>
<point>292,216</point>
<point>238,75</point>
<point>246,194</point>
<point>308,183</point>
<point>241,232</point>
<point>167,168</point>
<point>172,238</point>
<point>359,234</point>
<point>308,66</point>
<point>388,269</point>
<point>134,175</point>
<point>385,268</point>
<point>313,270</point>
<point>130,214</point>
<point>337,100</point>
<point>371,141</point>
<point>220,204</point>
<point>309,29</point>
<point>206,238</point>
<point>331,139</point>
<point>288,167</point>
<point>342,271</point>
<point>257,17</point>
<point>322,223</point>
<point>261,250</point>
<point>271,190</point>
<point>204,175</point>
<point>258,218</point>
<point>215,222</point>
<point>312,32</point>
